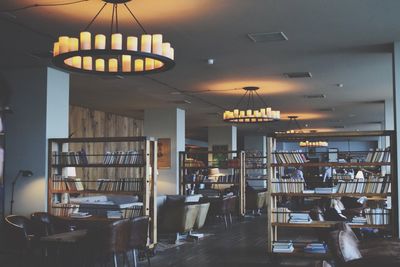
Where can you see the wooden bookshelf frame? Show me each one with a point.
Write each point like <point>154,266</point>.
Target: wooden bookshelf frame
<point>272,227</point>
<point>240,168</point>
<point>148,172</point>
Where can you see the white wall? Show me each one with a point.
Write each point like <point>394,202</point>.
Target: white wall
<point>256,143</point>
<point>167,123</point>
<point>40,102</point>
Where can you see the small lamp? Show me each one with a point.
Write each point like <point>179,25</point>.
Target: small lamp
<point>23,173</point>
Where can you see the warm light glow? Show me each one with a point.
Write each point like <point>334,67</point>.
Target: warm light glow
<point>56,49</point>
<point>313,144</point>
<point>100,41</point>
<point>126,63</point>
<point>139,65</point>
<point>157,44</point>
<point>100,64</point>
<point>112,65</point>
<point>304,115</point>
<point>86,40</point>
<point>234,86</point>
<point>87,63</point>
<point>132,43</point>
<point>73,44</point>
<point>116,41</point>
<point>63,44</point>
<point>149,64</point>
<point>166,49</point>
<point>77,62</point>
<point>146,43</point>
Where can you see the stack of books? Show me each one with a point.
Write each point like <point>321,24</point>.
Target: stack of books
<point>114,214</point>
<point>282,247</point>
<point>316,248</point>
<point>300,218</point>
<point>377,216</point>
<point>358,220</point>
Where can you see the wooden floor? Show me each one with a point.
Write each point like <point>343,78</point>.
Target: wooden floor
<point>242,245</point>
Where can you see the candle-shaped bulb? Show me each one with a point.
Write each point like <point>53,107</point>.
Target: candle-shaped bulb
<point>139,65</point>
<point>100,64</point>
<point>87,63</point>
<point>112,65</point>
<point>132,43</point>
<point>126,63</point>
<point>157,44</point>
<point>116,41</point>
<point>100,41</point>
<point>145,45</point>
<point>56,49</point>
<point>63,44</point>
<point>86,40</point>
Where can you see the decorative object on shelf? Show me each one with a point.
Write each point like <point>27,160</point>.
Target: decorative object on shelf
<point>164,153</point>
<point>23,173</point>
<point>113,54</point>
<point>248,113</point>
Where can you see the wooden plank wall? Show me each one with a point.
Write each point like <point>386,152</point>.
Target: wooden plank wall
<point>85,122</point>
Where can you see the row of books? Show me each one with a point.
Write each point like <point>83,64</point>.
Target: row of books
<point>118,185</point>
<point>378,155</point>
<point>194,163</point>
<point>68,184</point>
<point>372,185</point>
<point>377,216</point>
<point>287,185</point>
<point>64,209</point>
<point>281,215</point>
<point>283,157</point>
<point>70,158</point>
<point>124,157</point>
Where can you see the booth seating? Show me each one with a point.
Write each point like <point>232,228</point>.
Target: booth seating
<point>181,214</point>
<point>223,207</point>
<point>348,251</point>
<point>255,200</point>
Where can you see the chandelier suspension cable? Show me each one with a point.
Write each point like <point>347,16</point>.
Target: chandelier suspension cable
<point>134,17</point>
<point>112,20</point>
<point>94,18</point>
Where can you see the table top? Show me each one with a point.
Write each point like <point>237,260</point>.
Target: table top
<point>67,237</point>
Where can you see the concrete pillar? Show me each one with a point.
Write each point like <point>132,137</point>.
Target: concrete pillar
<point>222,136</point>
<point>396,146</point>
<point>40,104</point>
<point>167,123</point>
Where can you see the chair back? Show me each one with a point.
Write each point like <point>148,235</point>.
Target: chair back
<point>43,223</point>
<point>17,230</point>
<point>202,215</point>
<point>139,228</point>
<point>110,238</point>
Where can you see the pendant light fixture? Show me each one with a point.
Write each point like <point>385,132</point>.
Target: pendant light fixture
<point>245,111</point>
<point>113,53</point>
<point>299,130</point>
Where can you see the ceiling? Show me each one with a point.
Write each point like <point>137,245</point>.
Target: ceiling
<point>339,42</point>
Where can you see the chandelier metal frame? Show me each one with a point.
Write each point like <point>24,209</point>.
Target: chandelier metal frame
<point>159,58</point>
<point>245,111</point>
<point>300,131</point>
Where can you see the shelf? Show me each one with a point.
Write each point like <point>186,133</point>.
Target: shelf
<point>333,164</point>
<point>234,183</point>
<point>327,224</point>
<point>97,192</point>
<point>209,167</point>
<point>99,165</point>
<point>299,252</point>
<point>332,195</point>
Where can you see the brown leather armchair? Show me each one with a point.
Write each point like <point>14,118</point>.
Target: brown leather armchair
<point>255,200</point>
<point>348,251</point>
<point>139,229</point>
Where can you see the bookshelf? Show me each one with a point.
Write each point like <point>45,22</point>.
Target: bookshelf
<point>376,187</point>
<point>107,177</point>
<point>195,169</point>
<point>2,156</point>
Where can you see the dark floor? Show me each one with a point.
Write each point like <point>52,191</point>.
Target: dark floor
<point>243,245</point>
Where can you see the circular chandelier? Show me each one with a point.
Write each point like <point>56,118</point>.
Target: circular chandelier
<point>113,54</point>
<point>299,130</point>
<point>248,113</point>
<point>313,144</point>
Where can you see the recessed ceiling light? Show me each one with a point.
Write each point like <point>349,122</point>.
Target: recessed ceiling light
<point>340,85</point>
<point>296,75</point>
<point>210,61</point>
<point>267,37</point>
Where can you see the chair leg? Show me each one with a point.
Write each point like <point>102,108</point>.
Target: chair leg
<point>135,258</point>
<point>115,260</point>
<point>225,222</point>
<point>148,257</point>
<point>230,218</point>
